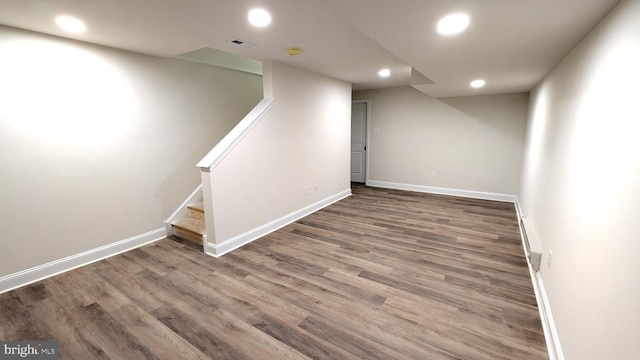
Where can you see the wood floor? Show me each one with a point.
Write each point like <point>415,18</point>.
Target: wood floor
<point>383,274</point>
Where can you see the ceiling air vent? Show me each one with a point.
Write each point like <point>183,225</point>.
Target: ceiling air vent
<point>242,43</point>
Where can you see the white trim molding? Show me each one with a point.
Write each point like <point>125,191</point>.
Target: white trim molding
<point>367,144</point>
<point>548,325</point>
<point>445,191</point>
<point>224,147</point>
<point>182,211</point>
<point>28,276</point>
<point>226,246</point>
<point>554,349</point>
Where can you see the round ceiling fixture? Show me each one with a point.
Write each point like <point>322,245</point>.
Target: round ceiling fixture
<point>453,24</point>
<point>384,73</point>
<point>259,17</point>
<point>70,24</point>
<point>478,83</point>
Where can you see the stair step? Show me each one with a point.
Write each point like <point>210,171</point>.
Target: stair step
<point>196,210</point>
<point>190,228</point>
<point>197,206</point>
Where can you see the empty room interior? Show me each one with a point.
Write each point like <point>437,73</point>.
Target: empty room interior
<point>320,179</point>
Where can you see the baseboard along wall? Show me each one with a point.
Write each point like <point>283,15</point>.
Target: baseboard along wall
<point>40,272</point>
<point>444,191</point>
<point>554,347</point>
<point>549,326</point>
<point>224,247</point>
<point>28,276</point>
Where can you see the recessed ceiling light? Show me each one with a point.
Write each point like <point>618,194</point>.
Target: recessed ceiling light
<point>453,24</point>
<point>384,73</point>
<point>70,23</point>
<point>478,83</point>
<point>259,17</point>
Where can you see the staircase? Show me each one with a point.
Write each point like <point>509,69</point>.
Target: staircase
<point>191,228</point>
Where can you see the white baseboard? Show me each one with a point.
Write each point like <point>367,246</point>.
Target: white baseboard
<point>444,191</point>
<point>28,276</point>
<point>548,325</point>
<point>222,248</point>
<point>554,349</point>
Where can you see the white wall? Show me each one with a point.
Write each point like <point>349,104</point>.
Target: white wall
<point>581,188</point>
<point>303,141</point>
<point>98,145</point>
<point>474,143</point>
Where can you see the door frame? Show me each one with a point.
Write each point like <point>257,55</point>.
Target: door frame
<point>367,103</point>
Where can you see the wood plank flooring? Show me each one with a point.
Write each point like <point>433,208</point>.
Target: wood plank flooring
<point>383,274</point>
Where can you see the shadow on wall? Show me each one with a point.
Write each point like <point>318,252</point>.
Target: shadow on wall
<point>487,109</point>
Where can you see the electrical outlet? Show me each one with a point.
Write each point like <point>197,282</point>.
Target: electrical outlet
<point>315,187</point>
<point>433,173</point>
<point>549,259</point>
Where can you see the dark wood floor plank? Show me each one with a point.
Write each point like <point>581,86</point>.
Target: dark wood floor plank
<point>112,336</point>
<point>135,290</point>
<point>17,322</point>
<point>64,326</point>
<point>252,341</point>
<point>383,274</point>
<point>33,293</point>
<point>308,344</point>
<point>264,301</point>
<point>145,327</point>
<point>351,342</point>
<point>189,328</point>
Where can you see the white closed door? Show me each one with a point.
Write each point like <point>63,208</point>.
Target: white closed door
<point>358,142</point>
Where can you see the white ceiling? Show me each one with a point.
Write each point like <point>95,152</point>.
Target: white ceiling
<point>512,44</point>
